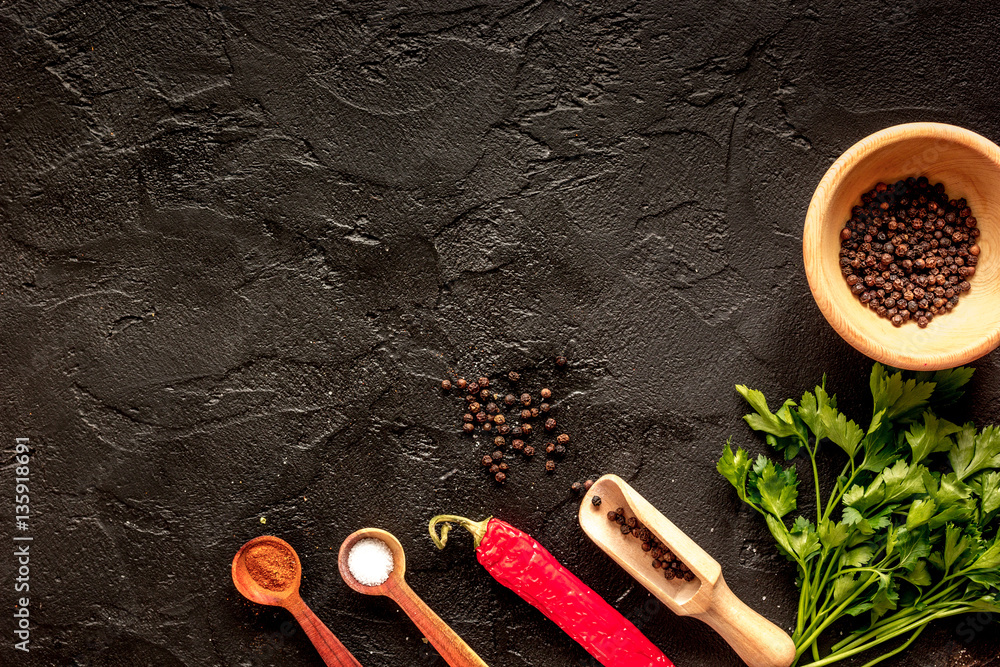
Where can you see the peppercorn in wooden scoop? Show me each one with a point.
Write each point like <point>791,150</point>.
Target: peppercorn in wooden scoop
<point>705,595</point>
<point>266,570</point>
<point>451,647</point>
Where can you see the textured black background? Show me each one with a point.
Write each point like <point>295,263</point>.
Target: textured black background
<point>243,242</point>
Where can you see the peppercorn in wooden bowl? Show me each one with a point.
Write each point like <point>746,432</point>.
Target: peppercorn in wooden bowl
<point>968,165</point>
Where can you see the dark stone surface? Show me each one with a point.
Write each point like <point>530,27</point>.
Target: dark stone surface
<point>243,242</point>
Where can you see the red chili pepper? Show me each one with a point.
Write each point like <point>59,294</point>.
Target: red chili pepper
<point>523,565</point>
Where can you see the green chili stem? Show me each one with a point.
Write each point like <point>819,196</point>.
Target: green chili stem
<point>477,528</point>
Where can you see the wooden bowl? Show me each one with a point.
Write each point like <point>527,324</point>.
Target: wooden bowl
<point>969,167</point>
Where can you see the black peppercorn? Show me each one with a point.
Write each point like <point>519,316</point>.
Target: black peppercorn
<point>487,460</point>
<point>499,419</point>
<point>502,429</point>
<point>499,441</point>
<point>503,465</point>
<point>516,431</point>
<point>492,408</point>
<point>559,450</point>
<point>514,376</point>
<point>526,429</point>
<point>497,455</point>
<point>911,237</point>
<point>494,469</point>
<point>525,414</point>
<point>481,417</point>
<point>484,394</point>
<point>500,477</point>
<point>562,438</point>
<point>587,484</point>
<point>484,381</point>
<point>612,516</point>
<point>529,450</point>
<point>473,387</point>
<point>550,465</point>
<point>510,399</point>
<point>550,424</point>
<point>461,383</point>
<point>468,418</point>
<point>544,407</point>
<point>446,385</point>
<point>517,444</point>
<point>546,393</point>
<point>625,530</point>
<point>576,487</point>
<point>526,399</point>
<point>474,407</point>
<point>468,428</point>
<point>595,501</point>
<point>534,412</point>
<point>560,361</point>
<point>550,447</point>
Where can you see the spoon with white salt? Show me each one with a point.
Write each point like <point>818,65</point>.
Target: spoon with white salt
<point>372,562</point>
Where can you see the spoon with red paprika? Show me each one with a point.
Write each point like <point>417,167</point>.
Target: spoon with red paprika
<point>707,597</point>
<point>266,570</point>
<point>523,565</point>
<point>452,648</point>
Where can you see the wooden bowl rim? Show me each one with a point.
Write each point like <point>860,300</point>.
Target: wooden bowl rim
<point>813,230</point>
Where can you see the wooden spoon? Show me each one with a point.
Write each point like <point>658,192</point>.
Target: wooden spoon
<point>329,647</point>
<point>451,647</point>
<point>758,641</point>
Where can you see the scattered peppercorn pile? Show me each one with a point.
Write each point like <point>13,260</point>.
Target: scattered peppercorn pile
<point>514,417</point>
<point>908,251</point>
<point>663,558</point>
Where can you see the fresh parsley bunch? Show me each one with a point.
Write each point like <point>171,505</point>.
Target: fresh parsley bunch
<point>908,531</point>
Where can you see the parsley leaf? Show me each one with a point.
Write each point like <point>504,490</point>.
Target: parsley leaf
<point>947,383</point>
<point>776,486</point>
<point>780,425</point>
<point>734,467</point>
<point>901,399</point>
<point>973,453</point>
<point>931,436</point>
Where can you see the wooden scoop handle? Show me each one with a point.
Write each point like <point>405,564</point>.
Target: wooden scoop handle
<point>452,648</point>
<point>757,640</point>
<point>334,653</point>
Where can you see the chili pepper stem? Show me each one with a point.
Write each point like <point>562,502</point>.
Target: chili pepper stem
<point>477,528</point>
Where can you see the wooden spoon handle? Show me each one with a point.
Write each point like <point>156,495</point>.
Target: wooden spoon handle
<point>758,641</point>
<point>334,653</point>
<point>452,648</point>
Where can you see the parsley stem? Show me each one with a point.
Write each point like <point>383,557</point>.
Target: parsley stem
<point>898,649</point>
<point>901,618</point>
<point>833,616</point>
<point>819,498</point>
<point>921,621</point>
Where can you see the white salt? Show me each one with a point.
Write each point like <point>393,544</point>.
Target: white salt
<point>370,562</point>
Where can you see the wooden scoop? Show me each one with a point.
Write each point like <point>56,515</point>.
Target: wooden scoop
<point>758,641</point>
<point>451,647</point>
<point>329,647</point>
